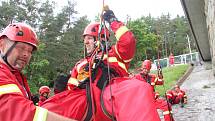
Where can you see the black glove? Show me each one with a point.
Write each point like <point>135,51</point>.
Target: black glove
<point>35,99</point>
<point>109,16</point>
<point>61,82</point>
<point>170,101</point>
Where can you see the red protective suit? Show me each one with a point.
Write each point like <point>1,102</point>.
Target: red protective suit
<point>127,94</point>
<point>161,104</point>
<point>171,59</point>
<point>166,108</point>
<point>15,98</point>
<point>152,79</point>
<point>130,99</point>
<point>42,99</point>
<point>176,97</point>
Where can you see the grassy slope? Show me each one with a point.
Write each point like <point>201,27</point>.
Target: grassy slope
<point>171,75</point>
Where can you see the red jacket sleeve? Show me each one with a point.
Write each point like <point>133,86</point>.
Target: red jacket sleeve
<point>17,108</point>
<point>126,43</point>
<point>74,80</point>
<point>15,105</point>
<point>169,94</point>
<point>139,77</point>
<point>156,80</point>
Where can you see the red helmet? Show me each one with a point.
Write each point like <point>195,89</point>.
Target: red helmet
<point>20,32</point>
<point>93,30</point>
<point>146,64</point>
<point>44,89</point>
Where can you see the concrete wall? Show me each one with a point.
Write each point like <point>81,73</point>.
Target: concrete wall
<point>210,21</point>
<point>195,11</point>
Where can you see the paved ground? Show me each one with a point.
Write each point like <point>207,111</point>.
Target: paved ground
<point>200,89</point>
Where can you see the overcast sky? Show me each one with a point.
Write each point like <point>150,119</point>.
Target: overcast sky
<point>133,8</point>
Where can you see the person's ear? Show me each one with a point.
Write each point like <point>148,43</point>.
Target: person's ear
<point>1,45</point>
<point>1,42</point>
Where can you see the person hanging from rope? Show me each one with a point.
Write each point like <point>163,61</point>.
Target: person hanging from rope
<point>177,96</point>
<point>153,80</point>
<point>17,43</point>
<point>99,88</point>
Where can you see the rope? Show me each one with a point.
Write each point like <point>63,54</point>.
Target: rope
<point>102,24</point>
<point>160,74</point>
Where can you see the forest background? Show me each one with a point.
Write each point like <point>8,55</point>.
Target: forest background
<point>61,42</point>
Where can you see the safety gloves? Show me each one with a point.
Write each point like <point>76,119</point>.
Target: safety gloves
<point>35,99</point>
<point>108,15</point>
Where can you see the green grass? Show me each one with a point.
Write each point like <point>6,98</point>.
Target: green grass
<point>171,75</point>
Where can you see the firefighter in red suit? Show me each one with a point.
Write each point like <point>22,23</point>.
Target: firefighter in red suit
<point>17,42</point>
<point>153,80</point>
<point>177,96</point>
<point>163,105</point>
<point>171,59</point>
<point>145,75</point>
<point>44,93</point>
<point>120,99</point>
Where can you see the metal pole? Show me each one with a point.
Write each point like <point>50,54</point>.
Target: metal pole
<point>188,39</point>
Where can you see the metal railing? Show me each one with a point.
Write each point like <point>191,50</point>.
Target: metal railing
<point>180,59</point>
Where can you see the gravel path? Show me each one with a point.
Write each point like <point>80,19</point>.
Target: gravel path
<point>200,89</point>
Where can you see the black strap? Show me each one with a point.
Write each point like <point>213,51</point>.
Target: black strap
<point>4,57</point>
<point>148,79</point>
<point>104,78</point>
<point>103,106</point>
<point>89,102</point>
<point>101,84</point>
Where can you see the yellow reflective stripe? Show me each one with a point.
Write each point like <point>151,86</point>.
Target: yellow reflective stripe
<point>120,32</point>
<point>9,88</point>
<point>169,95</point>
<point>114,59</point>
<point>40,114</point>
<point>152,83</point>
<point>155,80</point>
<point>160,80</point>
<point>117,52</point>
<point>73,81</point>
<point>129,60</point>
<point>167,112</point>
<point>180,93</point>
<point>68,88</point>
<point>120,56</point>
<point>122,66</point>
<point>105,56</point>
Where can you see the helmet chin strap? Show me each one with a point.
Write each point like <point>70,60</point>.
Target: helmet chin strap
<point>4,57</point>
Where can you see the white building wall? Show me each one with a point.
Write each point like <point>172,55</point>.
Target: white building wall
<point>210,21</point>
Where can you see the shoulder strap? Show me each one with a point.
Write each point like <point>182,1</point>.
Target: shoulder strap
<point>89,114</point>
<point>148,79</point>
